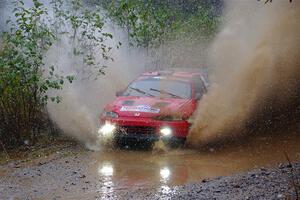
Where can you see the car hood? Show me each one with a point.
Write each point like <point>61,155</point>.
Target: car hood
<point>150,107</point>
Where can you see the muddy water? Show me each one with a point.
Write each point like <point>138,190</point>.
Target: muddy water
<point>176,167</point>
<point>110,173</point>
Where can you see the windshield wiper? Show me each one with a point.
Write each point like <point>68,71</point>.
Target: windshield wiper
<point>165,92</point>
<point>141,91</point>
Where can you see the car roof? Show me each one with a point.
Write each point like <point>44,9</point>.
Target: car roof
<point>171,74</point>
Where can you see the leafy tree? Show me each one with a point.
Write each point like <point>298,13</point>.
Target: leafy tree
<point>84,27</point>
<point>24,78</point>
<point>158,26</point>
<point>144,23</point>
<point>150,23</point>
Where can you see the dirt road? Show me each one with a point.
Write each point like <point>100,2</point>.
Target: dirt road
<point>75,173</point>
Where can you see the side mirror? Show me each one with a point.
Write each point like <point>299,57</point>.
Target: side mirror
<point>198,96</point>
<point>119,93</point>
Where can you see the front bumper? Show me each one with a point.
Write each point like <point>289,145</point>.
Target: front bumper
<point>180,129</point>
<point>140,138</point>
<point>137,137</point>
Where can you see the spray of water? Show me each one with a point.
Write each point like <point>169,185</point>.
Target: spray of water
<point>83,100</point>
<point>256,73</point>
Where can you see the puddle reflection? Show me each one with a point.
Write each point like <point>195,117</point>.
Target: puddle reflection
<point>165,178</point>
<point>165,174</point>
<point>106,171</point>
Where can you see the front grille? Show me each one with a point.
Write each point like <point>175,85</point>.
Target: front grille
<point>137,130</point>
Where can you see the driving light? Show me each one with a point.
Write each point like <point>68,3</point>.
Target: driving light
<point>166,131</point>
<point>107,129</point>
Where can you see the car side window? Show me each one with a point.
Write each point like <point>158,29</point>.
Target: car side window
<point>199,87</point>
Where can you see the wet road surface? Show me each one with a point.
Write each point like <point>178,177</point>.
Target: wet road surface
<point>111,173</point>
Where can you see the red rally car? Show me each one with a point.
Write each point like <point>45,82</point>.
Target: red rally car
<point>155,105</point>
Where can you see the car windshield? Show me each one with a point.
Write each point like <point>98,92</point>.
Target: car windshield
<point>158,87</point>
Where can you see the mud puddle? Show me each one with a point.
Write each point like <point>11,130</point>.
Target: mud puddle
<point>176,167</point>
<point>109,173</point>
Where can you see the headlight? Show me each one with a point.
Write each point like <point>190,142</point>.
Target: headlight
<point>110,114</point>
<point>107,129</point>
<point>166,131</point>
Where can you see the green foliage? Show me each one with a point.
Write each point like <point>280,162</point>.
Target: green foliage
<point>150,23</point>
<point>84,27</point>
<point>22,86</point>
<point>144,23</point>
<point>25,80</point>
<point>199,26</point>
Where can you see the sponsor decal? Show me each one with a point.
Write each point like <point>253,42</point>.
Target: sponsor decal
<point>140,108</point>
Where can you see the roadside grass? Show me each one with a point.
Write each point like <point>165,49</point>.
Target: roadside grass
<point>43,148</point>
